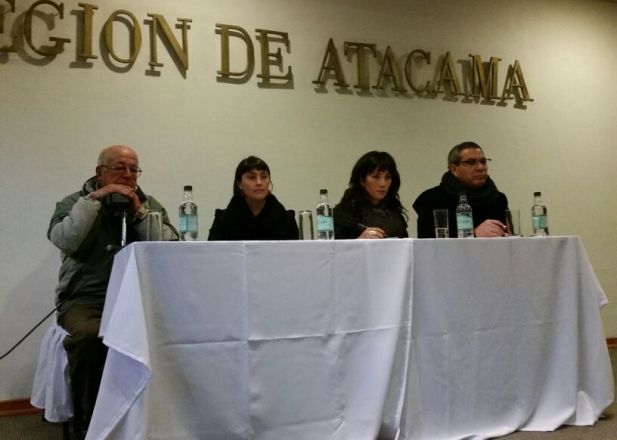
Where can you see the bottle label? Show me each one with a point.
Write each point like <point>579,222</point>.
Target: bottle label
<point>325,223</point>
<point>191,223</point>
<point>540,222</point>
<point>464,222</point>
<point>188,223</point>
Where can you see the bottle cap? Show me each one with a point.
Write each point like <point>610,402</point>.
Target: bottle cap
<point>188,187</point>
<point>537,193</point>
<point>323,191</point>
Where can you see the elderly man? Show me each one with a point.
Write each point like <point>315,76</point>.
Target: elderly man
<point>87,227</point>
<point>467,173</point>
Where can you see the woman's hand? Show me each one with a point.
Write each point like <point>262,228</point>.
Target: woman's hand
<point>371,232</point>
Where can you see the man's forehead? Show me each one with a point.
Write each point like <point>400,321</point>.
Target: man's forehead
<point>472,152</point>
<point>122,157</point>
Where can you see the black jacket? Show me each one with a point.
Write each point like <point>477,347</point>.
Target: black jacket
<point>351,216</point>
<point>486,203</point>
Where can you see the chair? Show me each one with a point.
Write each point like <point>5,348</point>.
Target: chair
<point>51,387</point>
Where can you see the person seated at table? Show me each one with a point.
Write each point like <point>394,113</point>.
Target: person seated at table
<point>253,212</point>
<point>87,228</point>
<point>467,173</point>
<point>370,207</point>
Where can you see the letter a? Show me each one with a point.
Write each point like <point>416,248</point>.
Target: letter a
<point>331,64</point>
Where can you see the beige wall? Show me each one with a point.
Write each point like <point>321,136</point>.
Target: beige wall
<point>57,116</point>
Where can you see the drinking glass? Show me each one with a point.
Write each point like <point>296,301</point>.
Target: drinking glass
<point>513,222</point>
<point>305,221</point>
<point>440,216</point>
<point>154,226</point>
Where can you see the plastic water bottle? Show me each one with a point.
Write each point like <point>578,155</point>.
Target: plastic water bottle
<point>188,216</point>
<point>325,220</point>
<point>539,217</point>
<point>464,218</point>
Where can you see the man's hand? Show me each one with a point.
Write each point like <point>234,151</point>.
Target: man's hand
<point>491,228</point>
<point>126,191</point>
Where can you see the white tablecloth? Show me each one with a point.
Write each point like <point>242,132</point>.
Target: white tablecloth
<point>51,386</point>
<point>420,339</point>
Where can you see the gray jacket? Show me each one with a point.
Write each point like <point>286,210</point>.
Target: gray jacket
<point>88,234</point>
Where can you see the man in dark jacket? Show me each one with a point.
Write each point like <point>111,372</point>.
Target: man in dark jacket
<point>87,228</point>
<point>467,173</point>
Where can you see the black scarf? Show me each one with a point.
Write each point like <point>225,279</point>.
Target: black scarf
<point>454,188</point>
<point>239,223</point>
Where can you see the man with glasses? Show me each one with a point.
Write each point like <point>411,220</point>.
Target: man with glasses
<point>89,227</point>
<point>467,173</point>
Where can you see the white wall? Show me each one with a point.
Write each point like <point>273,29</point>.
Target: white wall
<point>55,119</point>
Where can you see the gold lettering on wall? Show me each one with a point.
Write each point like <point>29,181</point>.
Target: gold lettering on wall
<point>159,25</point>
<point>274,59</point>
<point>331,65</point>
<point>360,49</point>
<point>515,84</point>
<point>58,47</point>
<point>483,77</point>
<point>108,32</point>
<point>5,48</point>
<point>12,5</point>
<point>86,31</point>
<point>484,85</point>
<point>449,77</point>
<point>226,31</point>
<point>374,69</point>
<point>390,70</point>
<point>409,69</point>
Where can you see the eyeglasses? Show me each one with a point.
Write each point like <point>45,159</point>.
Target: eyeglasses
<point>474,162</point>
<point>123,169</point>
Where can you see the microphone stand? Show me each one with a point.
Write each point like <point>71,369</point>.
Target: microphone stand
<point>123,238</point>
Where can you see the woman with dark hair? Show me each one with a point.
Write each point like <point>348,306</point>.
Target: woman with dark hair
<point>253,212</point>
<point>370,207</point>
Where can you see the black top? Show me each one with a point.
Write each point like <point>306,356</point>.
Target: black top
<point>237,222</point>
<point>486,203</point>
<point>351,217</point>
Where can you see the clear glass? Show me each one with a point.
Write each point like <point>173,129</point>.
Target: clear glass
<point>440,217</point>
<point>513,222</point>
<point>154,226</point>
<point>305,222</point>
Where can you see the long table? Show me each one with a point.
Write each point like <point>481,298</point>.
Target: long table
<point>352,339</point>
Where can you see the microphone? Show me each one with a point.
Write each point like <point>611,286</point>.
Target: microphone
<point>117,203</point>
